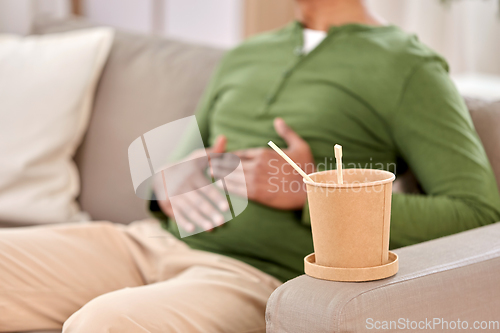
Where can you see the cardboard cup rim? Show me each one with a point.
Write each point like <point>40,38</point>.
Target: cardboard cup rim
<point>391,178</point>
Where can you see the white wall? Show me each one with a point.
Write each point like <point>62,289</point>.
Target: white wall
<point>16,16</point>
<point>467,33</point>
<point>54,8</point>
<point>133,15</point>
<point>214,22</point>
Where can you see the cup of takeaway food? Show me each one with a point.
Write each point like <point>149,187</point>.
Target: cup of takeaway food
<point>350,224</point>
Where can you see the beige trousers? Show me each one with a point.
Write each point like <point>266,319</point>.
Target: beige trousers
<point>103,277</point>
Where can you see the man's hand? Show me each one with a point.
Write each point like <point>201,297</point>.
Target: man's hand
<point>198,206</point>
<point>270,180</point>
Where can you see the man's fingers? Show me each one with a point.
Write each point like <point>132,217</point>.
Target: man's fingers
<point>191,210</point>
<point>217,198</point>
<point>197,218</point>
<point>235,187</point>
<point>219,145</point>
<point>166,207</point>
<point>182,222</point>
<point>233,181</point>
<point>202,204</point>
<point>292,139</point>
<point>222,169</point>
<point>248,153</point>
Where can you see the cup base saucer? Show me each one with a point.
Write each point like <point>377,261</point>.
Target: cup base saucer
<point>351,274</point>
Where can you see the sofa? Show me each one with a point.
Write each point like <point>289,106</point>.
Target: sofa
<point>149,81</point>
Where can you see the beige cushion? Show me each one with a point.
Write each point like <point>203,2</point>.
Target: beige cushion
<point>455,277</point>
<point>147,82</point>
<point>47,86</point>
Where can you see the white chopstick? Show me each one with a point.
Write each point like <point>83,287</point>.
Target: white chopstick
<point>289,160</point>
<point>338,160</point>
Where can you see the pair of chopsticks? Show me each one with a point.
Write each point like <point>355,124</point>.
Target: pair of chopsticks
<point>338,159</point>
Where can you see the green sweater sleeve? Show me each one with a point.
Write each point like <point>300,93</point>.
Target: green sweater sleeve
<point>434,134</point>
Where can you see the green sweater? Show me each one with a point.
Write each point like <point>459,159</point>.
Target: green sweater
<point>377,91</point>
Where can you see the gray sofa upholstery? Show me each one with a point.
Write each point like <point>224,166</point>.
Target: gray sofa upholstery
<point>149,81</point>
<point>456,277</point>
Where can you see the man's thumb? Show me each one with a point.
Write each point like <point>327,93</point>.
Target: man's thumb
<point>292,139</point>
<point>219,145</point>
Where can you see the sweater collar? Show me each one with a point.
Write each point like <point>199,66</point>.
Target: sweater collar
<point>346,28</point>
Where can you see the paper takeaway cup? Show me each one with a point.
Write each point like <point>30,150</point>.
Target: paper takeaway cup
<point>350,225</point>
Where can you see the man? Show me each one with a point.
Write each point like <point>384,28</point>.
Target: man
<point>339,76</point>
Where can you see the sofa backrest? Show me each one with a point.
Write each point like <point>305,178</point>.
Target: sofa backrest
<point>486,118</point>
<point>147,82</point>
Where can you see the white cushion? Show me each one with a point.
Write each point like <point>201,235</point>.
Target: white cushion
<point>46,92</point>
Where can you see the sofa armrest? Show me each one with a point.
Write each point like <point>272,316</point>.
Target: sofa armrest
<point>441,281</point>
